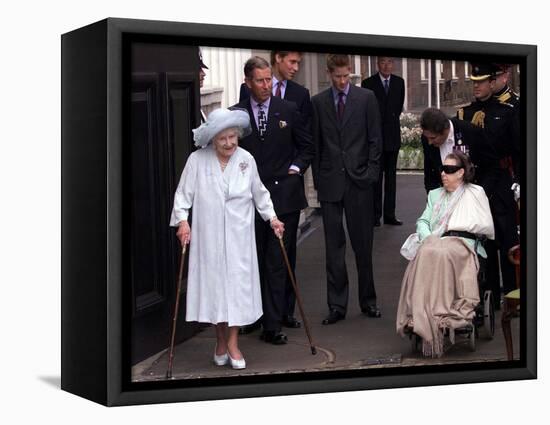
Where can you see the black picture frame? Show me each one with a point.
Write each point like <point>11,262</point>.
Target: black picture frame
<point>94,346</point>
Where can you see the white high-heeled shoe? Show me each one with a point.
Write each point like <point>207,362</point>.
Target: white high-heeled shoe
<point>221,360</point>
<point>236,364</point>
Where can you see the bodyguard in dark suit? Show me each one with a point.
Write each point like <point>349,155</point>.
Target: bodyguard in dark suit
<point>284,66</point>
<point>282,149</point>
<point>346,133</point>
<point>390,93</point>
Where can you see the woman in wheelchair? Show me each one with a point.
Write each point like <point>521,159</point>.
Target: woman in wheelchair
<point>439,290</point>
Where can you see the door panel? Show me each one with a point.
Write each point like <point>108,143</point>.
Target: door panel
<point>164,108</point>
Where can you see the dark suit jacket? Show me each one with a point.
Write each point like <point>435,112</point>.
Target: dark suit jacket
<point>481,153</point>
<point>391,106</point>
<point>294,93</point>
<point>286,142</point>
<point>352,146</point>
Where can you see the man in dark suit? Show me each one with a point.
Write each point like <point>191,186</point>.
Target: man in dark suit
<point>284,66</point>
<point>441,135</point>
<point>283,150</point>
<point>346,133</point>
<point>390,93</point>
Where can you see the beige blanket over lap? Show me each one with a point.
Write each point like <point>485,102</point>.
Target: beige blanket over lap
<point>439,291</point>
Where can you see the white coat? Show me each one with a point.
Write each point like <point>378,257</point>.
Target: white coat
<point>223,279</point>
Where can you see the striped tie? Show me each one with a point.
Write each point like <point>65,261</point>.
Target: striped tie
<point>278,91</point>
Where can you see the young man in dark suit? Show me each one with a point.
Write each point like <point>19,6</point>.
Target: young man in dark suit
<point>390,93</point>
<point>346,133</point>
<point>282,148</point>
<point>284,66</point>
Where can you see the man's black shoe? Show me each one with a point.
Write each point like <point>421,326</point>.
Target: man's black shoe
<point>291,322</point>
<point>333,317</point>
<point>246,329</point>
<point>372,311</point>
<point>393,221</point>
<point>272,337</point>
<point>377,223</point>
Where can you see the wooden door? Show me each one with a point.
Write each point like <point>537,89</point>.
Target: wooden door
<point>164,108</point>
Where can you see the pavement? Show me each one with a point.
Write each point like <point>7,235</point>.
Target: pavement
<point>357,342</point>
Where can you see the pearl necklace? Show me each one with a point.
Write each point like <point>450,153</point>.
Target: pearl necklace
<point>223,164</point>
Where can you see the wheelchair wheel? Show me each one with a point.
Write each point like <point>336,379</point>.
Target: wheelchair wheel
<point>488,315</point>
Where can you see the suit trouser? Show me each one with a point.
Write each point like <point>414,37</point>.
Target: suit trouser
<point>388,170</point>
<point>291,231</point>
<point>357,207</point>
<point>273,270</point>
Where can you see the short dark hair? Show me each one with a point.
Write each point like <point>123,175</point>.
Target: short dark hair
<point>464,161</point>
<point>337,61</point>
<point>434,120</point>
<point>281,53</point>
<point>255,62</point>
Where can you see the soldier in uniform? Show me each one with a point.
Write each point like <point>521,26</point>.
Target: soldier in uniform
<point>504,94</point>
<point>502,91</point>
<point>499,130</point>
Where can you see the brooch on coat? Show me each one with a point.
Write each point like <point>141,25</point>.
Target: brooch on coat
<point>243,166</point>
<point>282,124</point>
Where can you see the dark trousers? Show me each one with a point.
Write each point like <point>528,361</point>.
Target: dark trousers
<point>388,171</point>
<point>291,222</point>
<point>273,270</point>
<point>505,238</point>
<point>358,210</point>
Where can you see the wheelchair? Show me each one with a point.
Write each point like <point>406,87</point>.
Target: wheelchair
<point>483,323</point>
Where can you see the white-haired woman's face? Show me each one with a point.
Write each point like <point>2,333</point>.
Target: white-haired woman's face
<point>226,142</point>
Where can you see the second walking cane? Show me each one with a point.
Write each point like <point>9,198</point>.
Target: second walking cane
<point>175,319</point>
<point>298,298</point>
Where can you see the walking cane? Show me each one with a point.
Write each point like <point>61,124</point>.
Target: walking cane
<point>174,320</point>
<point>298,298</point>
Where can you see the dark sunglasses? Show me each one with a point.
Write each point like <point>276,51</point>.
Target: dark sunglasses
<point>449,169</point>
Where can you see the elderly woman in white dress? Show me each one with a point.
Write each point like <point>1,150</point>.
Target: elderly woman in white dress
<point>221,184</point>
<point>439,289</point>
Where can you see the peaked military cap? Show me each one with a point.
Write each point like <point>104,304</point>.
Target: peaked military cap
<point>500,68</point>
<point>482,71</point>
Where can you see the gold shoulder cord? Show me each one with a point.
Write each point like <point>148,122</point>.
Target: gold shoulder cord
<point>461,114</point>
<point>504,97</point>
<point>478,119</point>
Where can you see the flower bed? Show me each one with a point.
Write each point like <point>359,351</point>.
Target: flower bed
<point>411,156</point>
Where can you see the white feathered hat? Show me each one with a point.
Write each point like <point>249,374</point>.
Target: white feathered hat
<point>219,120</point>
